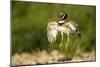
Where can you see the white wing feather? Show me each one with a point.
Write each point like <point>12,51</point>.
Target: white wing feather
<point>52,31</point>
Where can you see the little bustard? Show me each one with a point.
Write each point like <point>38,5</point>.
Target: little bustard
<point>68,28</point>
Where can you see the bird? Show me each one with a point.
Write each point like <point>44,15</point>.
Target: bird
<point>68,27</point>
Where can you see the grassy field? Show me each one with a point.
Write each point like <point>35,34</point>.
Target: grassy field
<point>29,27</point>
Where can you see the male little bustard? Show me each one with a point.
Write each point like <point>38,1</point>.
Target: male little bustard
<point>69,27</point>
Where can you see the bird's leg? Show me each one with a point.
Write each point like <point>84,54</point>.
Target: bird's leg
<point>61,39</point>
<point>67,41</point>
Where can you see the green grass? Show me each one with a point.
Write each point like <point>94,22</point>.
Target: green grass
<point>29,26</point>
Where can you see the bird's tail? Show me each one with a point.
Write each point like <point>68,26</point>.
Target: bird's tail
<point>78,33</point>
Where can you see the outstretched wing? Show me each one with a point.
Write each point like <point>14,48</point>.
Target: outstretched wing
<point>73,26</point>
<point>73,23</point>
<point>52,31</point>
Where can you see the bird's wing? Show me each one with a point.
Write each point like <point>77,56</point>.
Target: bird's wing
<point>74,24</point>
<point>52,31</point>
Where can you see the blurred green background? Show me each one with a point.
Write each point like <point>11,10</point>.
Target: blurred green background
<point>29,26</point>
